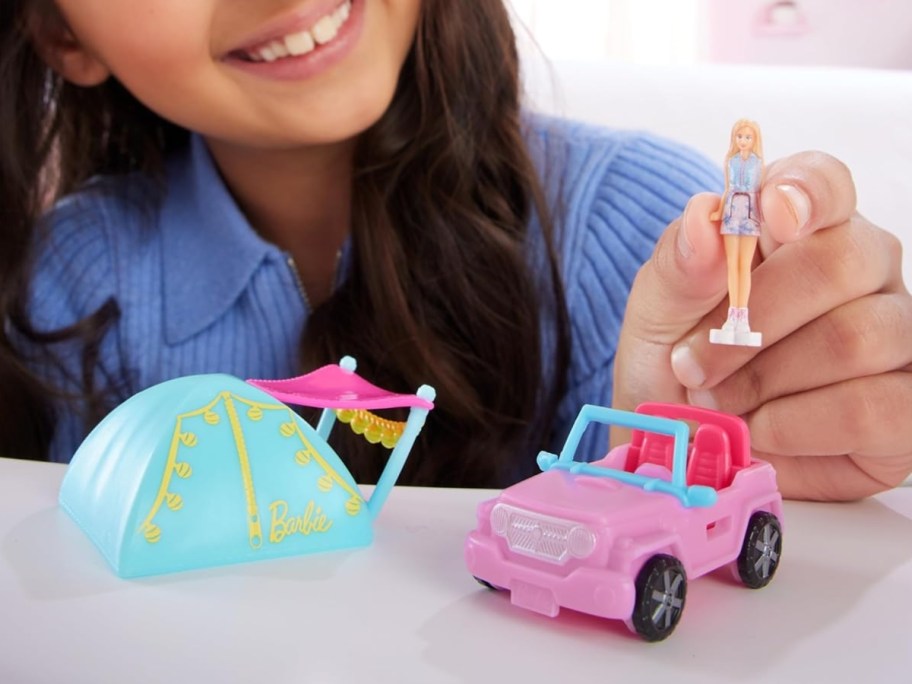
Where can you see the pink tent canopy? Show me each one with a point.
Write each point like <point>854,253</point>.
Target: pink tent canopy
<point>335,387</point>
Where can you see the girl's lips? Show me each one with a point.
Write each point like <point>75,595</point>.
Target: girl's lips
<point>297,67</point>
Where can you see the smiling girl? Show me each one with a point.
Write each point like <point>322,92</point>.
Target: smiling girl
<point>258,188</point>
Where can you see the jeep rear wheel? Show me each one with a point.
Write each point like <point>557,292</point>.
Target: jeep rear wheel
<point>761,550</point>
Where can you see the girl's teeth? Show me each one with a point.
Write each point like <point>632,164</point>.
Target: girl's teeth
<point>296,44</point>
<point>325,30</point>
<point>299,43</point>
<point>278,47</point>
<point>343,12</point>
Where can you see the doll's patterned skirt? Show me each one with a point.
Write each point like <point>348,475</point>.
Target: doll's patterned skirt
<point>742,214</point>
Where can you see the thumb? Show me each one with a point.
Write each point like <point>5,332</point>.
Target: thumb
<point>683,281</point>
<point>804,193</point>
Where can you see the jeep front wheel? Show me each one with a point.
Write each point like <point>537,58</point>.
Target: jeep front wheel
<point>661,587</point>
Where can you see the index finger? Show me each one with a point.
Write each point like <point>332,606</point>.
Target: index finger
<point>806,192</point>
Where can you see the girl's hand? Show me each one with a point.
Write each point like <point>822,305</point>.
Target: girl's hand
<point>828,397</point>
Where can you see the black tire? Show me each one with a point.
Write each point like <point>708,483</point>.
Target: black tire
<point>487,584</point>
<point>661,587</point>
<point>761,551</point>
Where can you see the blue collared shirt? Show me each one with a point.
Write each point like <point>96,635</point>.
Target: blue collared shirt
<point>200,291</point>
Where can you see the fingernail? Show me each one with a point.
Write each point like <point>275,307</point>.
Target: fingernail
<point>798,203</point>
<point>685,246</point>
<point>702,398</point>
<point>685,367</point>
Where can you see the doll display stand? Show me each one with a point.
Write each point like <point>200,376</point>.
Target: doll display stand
<point>744,339</point>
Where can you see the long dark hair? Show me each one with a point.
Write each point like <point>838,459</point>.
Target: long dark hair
<point>440,291</point>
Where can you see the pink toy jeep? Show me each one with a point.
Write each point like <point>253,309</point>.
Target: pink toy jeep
<point>619,537</point>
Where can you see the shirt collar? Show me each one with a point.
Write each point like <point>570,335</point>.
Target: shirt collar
<point>210,250</point>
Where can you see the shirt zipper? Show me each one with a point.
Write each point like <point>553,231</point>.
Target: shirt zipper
<point>297,278</point>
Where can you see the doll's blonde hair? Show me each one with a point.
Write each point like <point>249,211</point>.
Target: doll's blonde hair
<point>758,139</point>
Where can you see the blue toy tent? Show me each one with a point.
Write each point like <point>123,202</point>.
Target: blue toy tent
<point>207,470</point>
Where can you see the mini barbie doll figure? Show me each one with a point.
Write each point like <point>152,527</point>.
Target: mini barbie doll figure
<point>740,216</point>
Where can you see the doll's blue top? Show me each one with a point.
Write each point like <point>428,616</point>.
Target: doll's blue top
<point>201,292</point>
<point>744,174</point>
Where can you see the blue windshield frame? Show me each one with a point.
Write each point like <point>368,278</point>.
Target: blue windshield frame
<point>689,496</point>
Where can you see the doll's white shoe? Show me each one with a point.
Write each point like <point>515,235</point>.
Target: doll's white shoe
<point>743,334</point>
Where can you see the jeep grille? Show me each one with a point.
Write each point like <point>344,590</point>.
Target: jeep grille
<point>541,536</point>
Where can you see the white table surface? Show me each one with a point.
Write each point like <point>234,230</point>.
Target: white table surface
<point>406,610</point>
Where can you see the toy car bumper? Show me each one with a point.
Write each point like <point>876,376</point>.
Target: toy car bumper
<point>596,591</point>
